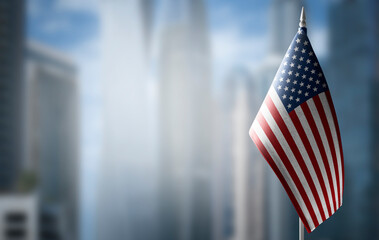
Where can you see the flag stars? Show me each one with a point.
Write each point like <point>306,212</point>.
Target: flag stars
<point>315,64</point>
<point>311,79</point>
<point>285,88</point>
<point>287,55</point>
<point>284,96</point>
<point>279,87</point>
<point>303,50</point>
<point>297,99</point>
<point>317,81</point>
<point>285,64</point>
<point>289,106</point>
<point>298,40</point>
<point>288,80</point>
<point>306,69</point>
<point>297,74</point>
<point>292,64</point>
<point>301,59</point>
<point>295,82</point>
<point>313,71</point>
<point>296,49</point>
<point>308,61</point>
<point>290,98</point>
<point>293,90</point>
<point>281,79</point>
<point>294,57</point>
<point>283,71</point>
<point>306,94</point>
<point>299,66</point>
<point>308,86</point>
<point>306,43</point>
<point>315,89</point>
<point>320,74</point>
<point>324,85</point>
<point>290,73</point>
<point>301,84</point>
<point>310,53</point>
<point>304,76</point>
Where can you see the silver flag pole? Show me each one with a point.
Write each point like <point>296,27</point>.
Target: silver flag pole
<point>302,23</point>
<point>301,230</point>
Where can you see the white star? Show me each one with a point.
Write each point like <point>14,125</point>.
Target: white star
<point>294,57</point>
<point>310,53</point>
<point>301,59</point>
<point>313,71</point>
<point>285,64</point>
<point>320,74</point>
<point>299,66</point>
<point>296,74</point>
<point>315,89</point>
<point>324,85</point>
<point>303,50</point>
<point>297,40</point>
<point>301,84</point>
<point>283,71</point>
<point>297,99</point>
<point>306,94</point>
<point>299,92</point>
<point>300,32</point>
<point>304,76</point>
<point>292,64</point>
<point>279,87</point>
<point>317,81</point>
<point>284,96</point>
<point>308,86</point>
<point>295,82</point>
<point>281,79</point>
<point>286,88</point>
<point>290,98</point>
<point>311,79</point>
<point>315,64</point>
<point>305,43</point>
<point>308,61</point>
<point>289,105</point>
<point>290,73</point>
<point>293,90</point>
<point>296,49</point>
<point>306,69</point>
<point>287,55</point>
<point>288,80</point>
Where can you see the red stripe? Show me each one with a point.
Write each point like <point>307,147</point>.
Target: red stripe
<point>312,156</point>
<point>332,109</point>
<point>276,170</point>
<point>283,157</point>
<point>328,132</point>
<point>316,134</point>
<point>283,128</point>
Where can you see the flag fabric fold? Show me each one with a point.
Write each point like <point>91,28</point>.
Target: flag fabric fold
<point>297,132</point>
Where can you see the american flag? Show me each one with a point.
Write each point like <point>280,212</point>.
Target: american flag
<point>297,132</point>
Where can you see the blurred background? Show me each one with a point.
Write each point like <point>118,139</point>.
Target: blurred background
<point>129,119</point>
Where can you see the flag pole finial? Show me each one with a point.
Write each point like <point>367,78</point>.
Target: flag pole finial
<point>302,22</point>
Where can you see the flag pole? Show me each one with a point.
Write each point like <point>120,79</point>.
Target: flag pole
<point>301,230</point>
<point>302,23</point>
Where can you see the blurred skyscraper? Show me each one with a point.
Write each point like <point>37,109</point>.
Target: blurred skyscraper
<point>126,196</point>
<point>280,216</point>
<point>11,91</point>
<point>353,70</point>
<point>185,122</point>
<point>52,139</point>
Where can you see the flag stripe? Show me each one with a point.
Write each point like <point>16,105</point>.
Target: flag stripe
<point>295,201</point>
<point>300,163</point>
<point>282,155</point>
<point>313,160</point>
<point>323,127</point>
<point>336,141</point>
<point>301,115</point>
<point>307,113</point>
<point>329,97</point>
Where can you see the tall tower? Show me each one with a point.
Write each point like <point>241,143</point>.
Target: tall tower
<point>52,139</point>
<point>280,218</point>
<point>354,84</point>
<point>11,91</point>
<point>185,130</point>
<point>125,207</point>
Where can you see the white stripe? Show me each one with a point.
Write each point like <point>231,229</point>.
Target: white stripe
<point>291,157</point>
<point>307,129</point>
<point>283,170</point>
<point>324,140</point>
<point>299,144</point>
<point>329,117</point>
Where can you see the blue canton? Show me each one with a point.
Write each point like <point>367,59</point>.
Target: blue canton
<point>300,76</point>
